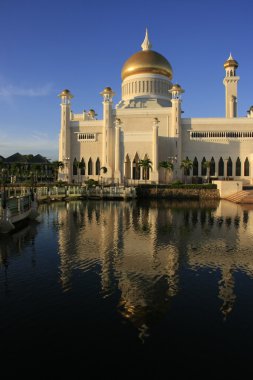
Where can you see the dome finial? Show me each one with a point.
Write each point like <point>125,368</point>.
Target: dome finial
<point>146,44</point>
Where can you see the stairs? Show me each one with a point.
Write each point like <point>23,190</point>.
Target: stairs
<point>244,196</point>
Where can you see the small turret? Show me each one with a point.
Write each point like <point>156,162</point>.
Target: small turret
<point>230,82</point>
<point>65,96</point>
<point>176,91</point>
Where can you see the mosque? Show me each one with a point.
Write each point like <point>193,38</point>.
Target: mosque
<point>147,123</point>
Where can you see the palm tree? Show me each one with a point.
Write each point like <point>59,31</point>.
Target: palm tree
<point>207,165</point>
<point>146,164</point>
<point>104,169</point>
<point>56,165</point>
<point>167,166</point>
<point>186,165</point>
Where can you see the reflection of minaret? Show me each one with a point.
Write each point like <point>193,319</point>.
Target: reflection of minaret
<point>172,270</point>
<point>147,271</point>
<point>64,249</point>
<point>108,231</point>
<point>226,291</point>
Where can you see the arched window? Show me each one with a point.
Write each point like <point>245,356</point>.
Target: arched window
<point>229,167</point>
<point>195,167</point>
<point>90,167</point>
<point>212,167</point>
<point>238,167</point>
<point>203,167</point>
<point>136,169</point>
<point>75,167</point>
<point>97,166</point>
<point>127,167</point>
<point>221,167</point>
<point>246,167</point>
<point>82,167</point>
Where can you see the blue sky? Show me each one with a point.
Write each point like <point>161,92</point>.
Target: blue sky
<point>46,46</point>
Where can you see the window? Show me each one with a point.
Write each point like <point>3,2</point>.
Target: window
<point>212,167</point>
<point>238,167</point>
<point>97,166</point>
<point>195,167</point>
<point>203,167</point>
<point>82,167</point>
<point>221,167</point>
<point>246,167</point>
<point>86,137</point>
<point>229,167</point>
<point>75,167</point>
<point>90,167</point>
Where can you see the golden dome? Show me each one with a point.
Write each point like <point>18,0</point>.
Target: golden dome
<point>67,93</point>
<point>147,61</point>
<point>107,89</point>
<point>176,87</point>
<point>231,62</point>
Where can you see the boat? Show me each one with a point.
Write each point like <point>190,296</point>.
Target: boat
<point>16,209</point>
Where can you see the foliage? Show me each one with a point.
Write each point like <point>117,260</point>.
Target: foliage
<point>167,166</point>
<point>146,164</point>
<point>91,183</point>
<point>186,165</point>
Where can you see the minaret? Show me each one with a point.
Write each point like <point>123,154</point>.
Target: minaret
<point>64,145</point>
<point>230,82</point>
<point>176,150</point>
<point>108,136</point>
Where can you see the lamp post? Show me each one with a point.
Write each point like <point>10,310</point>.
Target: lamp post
<point>66,168</point>
<point>173,160</point>
<point>4,196</point>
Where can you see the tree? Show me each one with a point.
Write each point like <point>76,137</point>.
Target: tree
<point>167,166</point>
<point>146,165</point>
<point>56,165</point>
<point>104,169</point>
<point>207,165</point>
<point>186,165</point>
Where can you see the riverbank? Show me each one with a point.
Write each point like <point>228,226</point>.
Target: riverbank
<point>49,193</point>
<point>193,192</point>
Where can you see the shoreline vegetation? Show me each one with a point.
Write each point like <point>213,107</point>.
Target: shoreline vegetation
<point>65,192</point>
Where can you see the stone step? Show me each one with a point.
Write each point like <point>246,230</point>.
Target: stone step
<point>243,196</point>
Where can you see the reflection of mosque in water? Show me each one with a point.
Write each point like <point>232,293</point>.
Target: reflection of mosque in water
<point>143,250</point>
<point>13,244</point>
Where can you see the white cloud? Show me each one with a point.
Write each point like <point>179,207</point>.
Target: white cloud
<point>9,91</point>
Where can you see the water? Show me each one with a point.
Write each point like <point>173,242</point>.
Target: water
<point>141,287</point>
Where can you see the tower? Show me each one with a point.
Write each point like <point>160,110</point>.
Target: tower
<point>176,150</point>
<point>64,143</point>
<point>230,82</point>
<point>108,143</point>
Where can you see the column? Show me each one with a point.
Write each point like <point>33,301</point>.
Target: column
<point>117,151</point>
<point>154,173</point>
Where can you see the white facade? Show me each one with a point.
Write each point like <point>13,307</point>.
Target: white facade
<point>147,123</point>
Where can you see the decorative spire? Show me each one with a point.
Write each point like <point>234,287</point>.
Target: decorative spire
<point>230,58</point>
<point>146,44</point>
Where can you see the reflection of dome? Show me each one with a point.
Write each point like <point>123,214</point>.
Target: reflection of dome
<point>146,61</point>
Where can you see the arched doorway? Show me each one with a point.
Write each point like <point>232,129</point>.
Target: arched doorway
<point>127,170</point>
<point>136,169</point>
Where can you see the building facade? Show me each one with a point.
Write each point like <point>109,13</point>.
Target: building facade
<point>147,123</point>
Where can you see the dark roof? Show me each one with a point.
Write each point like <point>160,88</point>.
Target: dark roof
<point>17,157</point>
<point>27,158</point>
<point>39,159</point>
